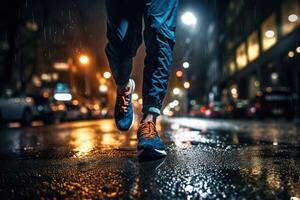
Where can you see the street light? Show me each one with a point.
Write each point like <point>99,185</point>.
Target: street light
<point>103,89</point>
<point>179,74</point>
<point>176,102</point>
<point>274,76</point>
<point>291,54</point>
<point>189,19</point>
<point>186,65</point>
<point>270,34</point>
<point>233,91</point>
<point>107,75</point>
<point>186,85</point>
<point>83,59</point>
<point>176,91</point>
<point>293,18</point>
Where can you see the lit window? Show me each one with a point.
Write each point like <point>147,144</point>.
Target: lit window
<point>290,16</point>
<point>269,33</point>
<point>241,56</point>
<point>253,46</point>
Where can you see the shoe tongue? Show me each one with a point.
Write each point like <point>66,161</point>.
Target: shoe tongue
<point>149,124</point>
<point>128,91</point>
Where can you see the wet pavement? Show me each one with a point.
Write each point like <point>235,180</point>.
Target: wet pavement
<point>207,159</point>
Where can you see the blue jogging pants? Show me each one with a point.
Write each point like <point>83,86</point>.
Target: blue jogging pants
<point>124,33</point>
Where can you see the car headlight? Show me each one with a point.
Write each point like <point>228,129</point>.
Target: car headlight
<point>83,110</point>
<point>29,100</point>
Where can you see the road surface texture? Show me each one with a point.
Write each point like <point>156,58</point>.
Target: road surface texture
<point>207,159</point>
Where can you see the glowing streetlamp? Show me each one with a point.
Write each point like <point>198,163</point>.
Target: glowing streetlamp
<point>293,18</point>
<point>83,59</point>
<point>176,91</point>
<point>234,91</point>
<point>107,75</point>
<point>189,19</point>
<point>179,74</point>
<point>270,34</point>
<point>103,89</point>
<point>186,65</point>
<point>186,85</point>
<point>291,54</point>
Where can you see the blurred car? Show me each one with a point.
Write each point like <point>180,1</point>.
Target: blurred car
<point>94,110</point>
<point>214,110</point>
<point>72,112</point>
<point>197,111</point>
<point>85,112</point>
<point>76,112</point>
<point>237,109</point>
<point>43,107</point>
<point>17,108</point>
<point>59,110</point>
<point>272,102</point>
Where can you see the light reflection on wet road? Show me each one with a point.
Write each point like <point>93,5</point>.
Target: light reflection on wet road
<point>206,159</point>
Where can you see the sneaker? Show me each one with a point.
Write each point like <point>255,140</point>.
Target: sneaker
<point>123,108</point>
<point>150,146</point>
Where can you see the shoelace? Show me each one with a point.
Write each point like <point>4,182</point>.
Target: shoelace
<point>124,100</point>
<point>147,130</point>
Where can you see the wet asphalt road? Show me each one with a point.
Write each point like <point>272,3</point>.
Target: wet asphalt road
<point>207,159</point>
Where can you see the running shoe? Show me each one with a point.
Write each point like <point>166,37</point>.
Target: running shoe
<point>150,146</point>
<point>124,115</point>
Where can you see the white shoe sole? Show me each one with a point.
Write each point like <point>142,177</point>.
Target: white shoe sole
<point>133,88</point>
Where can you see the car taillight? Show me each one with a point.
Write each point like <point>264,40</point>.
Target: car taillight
<point>29,100</point>
<point>61,107</point>
<point>203,109</point>
<point>53,108</point>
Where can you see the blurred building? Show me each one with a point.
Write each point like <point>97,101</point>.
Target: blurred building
<point>40,42</point>
<point>259,43</point>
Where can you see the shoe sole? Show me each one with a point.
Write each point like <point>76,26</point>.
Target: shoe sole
<point>151,153</point>
<point>133,87</point>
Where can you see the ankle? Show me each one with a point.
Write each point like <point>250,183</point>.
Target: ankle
<point>149,118</point>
